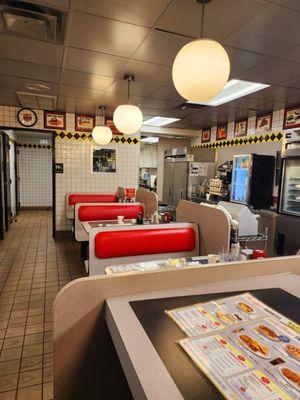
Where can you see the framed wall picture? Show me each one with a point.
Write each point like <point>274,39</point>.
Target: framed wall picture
<point>206,135</point>
<point>104,160</point>
<point>84,122</point>
<point>264,123</point>
<point>110,123</point>
<point>240,128</point>
<point>54,120</point>
<point>291,117</point>
<point>221,132</point>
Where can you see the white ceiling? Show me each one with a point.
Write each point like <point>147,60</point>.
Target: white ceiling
<point>105,39</point>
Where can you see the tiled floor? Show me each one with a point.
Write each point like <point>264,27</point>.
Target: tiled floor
<point>33,268</point>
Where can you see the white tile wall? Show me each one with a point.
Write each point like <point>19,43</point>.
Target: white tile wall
<point>35,171</point>
<point>76,157</point>
<point>78,176</point>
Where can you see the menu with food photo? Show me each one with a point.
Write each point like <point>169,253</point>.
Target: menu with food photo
<point>291,118</point>
<point>240,128</point>
<point>84,123</point>
<point>206,135</point>
<point>200,319</point>
<point>221,132</point>
<point>264,123</point>
<point>54,120</point>
<point>257,359</point>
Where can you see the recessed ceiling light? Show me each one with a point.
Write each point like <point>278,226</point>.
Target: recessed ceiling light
<point>37,86</point>
<point>160,121</point>
<point>234,89</point>
<point>150,139</point>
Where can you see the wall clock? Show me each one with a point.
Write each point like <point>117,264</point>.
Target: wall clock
<point>27,117</point>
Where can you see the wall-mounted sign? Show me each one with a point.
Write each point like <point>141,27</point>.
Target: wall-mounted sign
<point>104,160</point>
<point>84,122</point>
<point>59,168</point>
<point>54,120</point>
<point>110,123</point>
<point>264,123</point>
<point>206,135</point>
<point>194,169</point>
<point>240,128</point>
<point>27,117</point>
<point>291,118</point>
<point>221,132</point>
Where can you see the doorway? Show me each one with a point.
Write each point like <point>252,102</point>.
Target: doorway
<point>28,174</point>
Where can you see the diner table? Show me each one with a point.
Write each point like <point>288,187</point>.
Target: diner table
<point>146,339</point>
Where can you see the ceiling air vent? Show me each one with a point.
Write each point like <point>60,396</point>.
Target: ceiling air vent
<point>32,21</point>
<point>33,100</point>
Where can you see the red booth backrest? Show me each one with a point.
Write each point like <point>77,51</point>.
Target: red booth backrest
<point>110,244</point>
<point>109,212</point>
<point>92,198</point>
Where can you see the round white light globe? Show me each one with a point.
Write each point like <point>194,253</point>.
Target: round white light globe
<point>128,118</point>
<point>102,135</point>
<point>201,70</point>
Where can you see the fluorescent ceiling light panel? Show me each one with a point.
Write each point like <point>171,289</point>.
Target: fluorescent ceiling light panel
<point>234,89</point>
<point>150,139</point>
<point>159,121</point>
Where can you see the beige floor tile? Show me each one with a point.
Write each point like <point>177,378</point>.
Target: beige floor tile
<point>32,350</point>
<point>15,331</point>
<point>11,354</point>
<point>13,342</point>
<point>29,378</point>
<point>48,391</point>
<point>9,367</point>
<point>30,363</point>
<point>35,338</point>
<point>8,382</point>
<point>30,393</point>
<point>10,395</point>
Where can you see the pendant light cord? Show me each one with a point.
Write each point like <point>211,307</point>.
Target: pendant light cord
<point>128,89</point>
<point>202,19</point>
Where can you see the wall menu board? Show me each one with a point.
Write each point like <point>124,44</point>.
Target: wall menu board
<point>248,350</point>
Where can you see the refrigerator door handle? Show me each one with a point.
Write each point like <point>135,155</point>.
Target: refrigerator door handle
<point>181,193</point>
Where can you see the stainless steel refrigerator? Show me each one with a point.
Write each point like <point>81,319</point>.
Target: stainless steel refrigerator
<point>181,175</point>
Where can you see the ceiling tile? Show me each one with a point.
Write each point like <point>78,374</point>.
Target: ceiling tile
<point>74,91</point>
<point>273,71</point>
<point>160,48</point>
<point>275,93</point>
<point>139,12</point>
<point>167,92</point>
<point>184,17</point>
<point>148,72</point>
<point>292,54</point>
<point>31,71</point>
<point>110,99</point>
<point>292,4</point>
<point>82,79</point>
<point>104,35</point>
<point>137,88</point>
<point>241,60</point>
<point>29,50</point>
<point>8,97</point>
<point>158,103</point>
<point>292,83</point>
<point>94,63</point>
<point>271,31</point>
<point>21,84</point>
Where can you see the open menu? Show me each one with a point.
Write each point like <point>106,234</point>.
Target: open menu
<point>248,350</point>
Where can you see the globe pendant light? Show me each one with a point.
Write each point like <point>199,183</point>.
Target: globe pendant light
<point>201,68</point>
<point>102,134</point>
<point>128,118</point>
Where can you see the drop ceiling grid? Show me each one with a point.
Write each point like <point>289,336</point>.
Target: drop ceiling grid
<point>84,78</point>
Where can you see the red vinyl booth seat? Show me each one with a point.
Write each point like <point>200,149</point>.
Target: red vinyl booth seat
<point>125,243</point>
<point>92,198</point>
<point>106,212</point>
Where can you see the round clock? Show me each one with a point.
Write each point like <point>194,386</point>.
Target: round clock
<point>27,117</point>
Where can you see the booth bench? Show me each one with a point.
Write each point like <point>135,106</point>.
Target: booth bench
<point>104,212</point>
<point>122,244</point>
<point>73,198</point>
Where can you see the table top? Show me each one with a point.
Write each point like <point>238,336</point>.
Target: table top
<point>140,321</point>
<point>88,225</point>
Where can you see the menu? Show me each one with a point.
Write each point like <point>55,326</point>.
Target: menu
<point>247,349</point>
